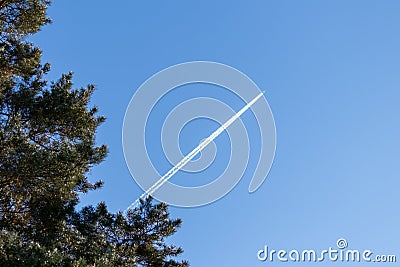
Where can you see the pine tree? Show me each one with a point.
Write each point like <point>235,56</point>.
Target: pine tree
<point>47,147</point>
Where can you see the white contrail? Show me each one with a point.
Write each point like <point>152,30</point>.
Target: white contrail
<point>192,154</point>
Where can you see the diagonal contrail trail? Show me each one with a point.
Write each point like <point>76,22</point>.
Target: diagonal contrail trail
<point>192,154</point>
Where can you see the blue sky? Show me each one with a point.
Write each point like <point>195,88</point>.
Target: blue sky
<point>331,74</point>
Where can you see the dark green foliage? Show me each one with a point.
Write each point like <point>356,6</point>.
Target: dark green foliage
<point>146,228</point>
<point>47,147</point>
<point>96,237</point>
<point>136,238</point>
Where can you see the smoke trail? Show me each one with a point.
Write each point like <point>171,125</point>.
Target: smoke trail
<point>192,154</point>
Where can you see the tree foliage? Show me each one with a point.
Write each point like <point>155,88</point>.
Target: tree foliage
<point>47,147</point>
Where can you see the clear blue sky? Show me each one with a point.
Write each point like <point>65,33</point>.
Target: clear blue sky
<point>331,71</point>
